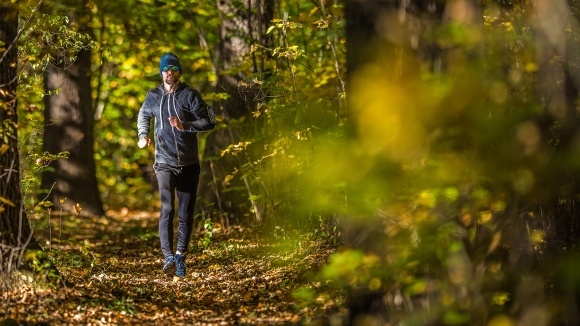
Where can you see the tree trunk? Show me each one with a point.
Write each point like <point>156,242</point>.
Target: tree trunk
<point>15,232</point>
<point>69,123</point>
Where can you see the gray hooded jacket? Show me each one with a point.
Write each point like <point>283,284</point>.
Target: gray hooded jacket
<point>174,147</point>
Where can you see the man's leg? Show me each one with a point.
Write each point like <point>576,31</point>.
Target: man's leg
<point>166,181</point>
<point>186,194</point>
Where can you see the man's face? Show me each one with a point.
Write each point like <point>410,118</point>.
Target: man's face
<point>171,77</point>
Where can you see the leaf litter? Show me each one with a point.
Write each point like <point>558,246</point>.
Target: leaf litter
<point>113,269</point>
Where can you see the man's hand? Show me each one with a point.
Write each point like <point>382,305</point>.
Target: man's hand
<point>174,122</point>
<point>145,141</point>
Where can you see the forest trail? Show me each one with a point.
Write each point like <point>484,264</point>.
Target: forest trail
<point>114,264</point>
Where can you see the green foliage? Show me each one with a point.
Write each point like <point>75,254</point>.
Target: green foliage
<point>45,37</point>
<point>207,235</point>
<point>40,262</point>
<point>35,165</point>
<point>83,259</point>
<point>7,130</point>
<point>143,233</point>
<point>296,102</point>
<point>9,322</point>
<point>305,296</point>
<point>123,305</point>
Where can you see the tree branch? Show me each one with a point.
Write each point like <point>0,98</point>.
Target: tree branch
<point>21,30</point>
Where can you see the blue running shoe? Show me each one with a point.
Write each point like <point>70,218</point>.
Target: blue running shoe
<point>169,266</point>
<point>180,262</point>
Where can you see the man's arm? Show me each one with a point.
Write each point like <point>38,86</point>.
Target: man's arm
<point>143,124</point>
<point>205,118</point>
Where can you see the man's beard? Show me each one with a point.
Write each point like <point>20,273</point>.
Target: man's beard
<point>171,81</point>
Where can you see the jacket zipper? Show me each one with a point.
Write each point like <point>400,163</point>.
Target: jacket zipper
<point>173,131</point>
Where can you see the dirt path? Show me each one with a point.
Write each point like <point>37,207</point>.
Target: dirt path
<point>115,266</point>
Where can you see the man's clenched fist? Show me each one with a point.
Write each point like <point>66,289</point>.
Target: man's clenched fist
<point>174,122</point>
<point>144,142</point>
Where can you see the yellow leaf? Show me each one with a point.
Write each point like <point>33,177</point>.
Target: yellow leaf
<point>537,236</point>
<point>77,209</point>
<point>43,204</point>
<point>418,287</point>
<point>531,67</point>
<point>484,217</point>
<point>494,242</point>
<point>4,148</point>
<point>500,298</point>
<point>30,255</point>
<point>7,201</point>
<point>312,11</point>
<point>427,198</point>
<point>227,179</point>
